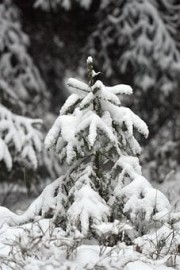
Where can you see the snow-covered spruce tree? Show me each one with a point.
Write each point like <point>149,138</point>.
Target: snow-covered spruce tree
<point>21,88</point>
<point>19,77</point>
<point>103,193</point>
<point>19,139</point>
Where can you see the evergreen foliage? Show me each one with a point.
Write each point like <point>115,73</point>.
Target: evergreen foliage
<point>103,193</point>
<point>20,79</point>
<point>138,43</point>
<point>20,83</point>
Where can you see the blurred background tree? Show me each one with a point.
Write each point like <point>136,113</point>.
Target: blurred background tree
<point>23,98</point>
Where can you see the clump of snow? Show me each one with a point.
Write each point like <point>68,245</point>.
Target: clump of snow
<point>89,60</point>
<point>88,205</point>
<point>77,86</point>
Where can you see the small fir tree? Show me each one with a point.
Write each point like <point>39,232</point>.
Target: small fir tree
<point>103,193</point>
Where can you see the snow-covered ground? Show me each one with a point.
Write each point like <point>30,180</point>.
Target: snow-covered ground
<point>39,246</point>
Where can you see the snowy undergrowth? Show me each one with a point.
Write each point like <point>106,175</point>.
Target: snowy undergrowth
<point>104,213</point>
<point>40,245</point>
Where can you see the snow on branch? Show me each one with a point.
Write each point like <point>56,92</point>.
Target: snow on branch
<point>17,69</point>
<point>70,104</point>
<point>75,84</point>
<point>120,89</point>
<point>88,205</point>
<point>20,140</point>
<point>45,203</point>
<point>138,196</point>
